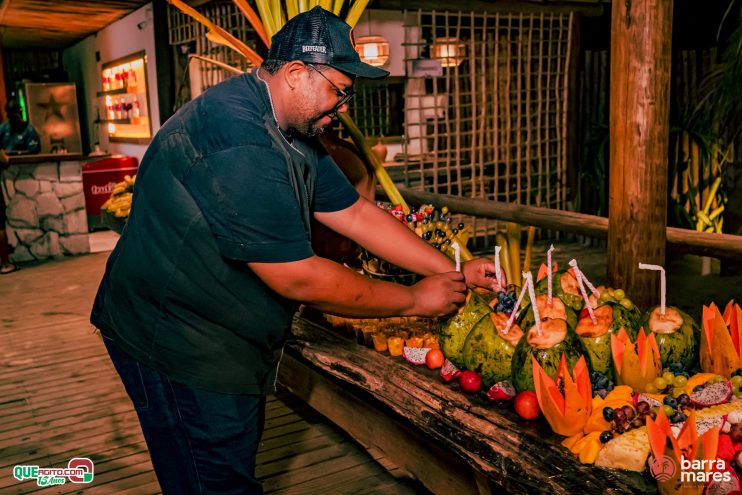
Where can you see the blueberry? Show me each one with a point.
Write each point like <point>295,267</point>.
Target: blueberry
<point>427,235</point>
<point>678,417</point>
<point>676,367</point>
<point>738,371</point>
<point>606,436</point>
<point>670,401</point>
<point>610,386</point>
<point>602,393</point>
<point>608,413</point>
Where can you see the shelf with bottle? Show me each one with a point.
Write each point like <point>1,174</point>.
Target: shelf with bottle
<point>123,78</point>
<point>127,107</point>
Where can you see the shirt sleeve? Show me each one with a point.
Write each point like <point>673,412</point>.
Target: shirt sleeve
<point>333,191</point>
<point>246,195</point>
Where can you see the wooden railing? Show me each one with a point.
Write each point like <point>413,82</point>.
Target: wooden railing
<point>725,246</point>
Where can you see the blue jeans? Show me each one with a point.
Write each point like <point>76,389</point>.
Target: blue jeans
<point>200,442</point>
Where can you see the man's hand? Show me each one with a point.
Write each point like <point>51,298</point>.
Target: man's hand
<point>480,272</point>
<point>439,295</point>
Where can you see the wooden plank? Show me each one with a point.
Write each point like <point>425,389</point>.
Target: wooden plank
<point>641,40</point>
<point>724,246</point>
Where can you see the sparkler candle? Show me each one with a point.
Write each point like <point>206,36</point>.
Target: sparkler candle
<point>532,293</point>
<point>457,255</point>
<point>548,274</point>
<point>514,314</point>
<point>581,282</point>
<point>498,276</point>
<point>644,266</point>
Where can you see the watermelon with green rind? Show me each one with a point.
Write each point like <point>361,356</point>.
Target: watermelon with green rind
<point>453,332</point>
<point>598,349</point>
<point>680,346</point>
<point>522,368</point>
<point>488,353</point>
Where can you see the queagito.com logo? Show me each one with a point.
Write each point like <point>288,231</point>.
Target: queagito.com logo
<point>78,470</point>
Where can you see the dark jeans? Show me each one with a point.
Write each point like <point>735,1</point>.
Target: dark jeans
<point>200,442</point>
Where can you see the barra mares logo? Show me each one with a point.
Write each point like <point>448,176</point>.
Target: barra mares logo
<point>78,470</point>
<point>692,472</point>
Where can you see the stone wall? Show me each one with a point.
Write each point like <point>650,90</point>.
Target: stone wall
<point>45,207</point>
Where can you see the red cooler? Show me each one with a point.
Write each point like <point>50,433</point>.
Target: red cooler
<point>98,180</point>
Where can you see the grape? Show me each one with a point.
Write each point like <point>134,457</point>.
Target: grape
<point>669,411</point>
<point>675,367</point>
<point>652,414</point>
<point>628,412</point>
<point>669,377</point>
<point>626,303</point>
<point>608,413</point>
<point>737,381</point>
<point>606,436</point>
<point>677,392</point>
<point>638,422</point>
<point>650,388</point>
<point>602,393</point>
<point>619,415</point>
<point>736,372</point>
<point>736,432</point>
<point>619,294</point>
<point>642,407</point>
<point>660,383</point>
<point>684,399</point>
<point>670,401</point>
<point>678,417</point>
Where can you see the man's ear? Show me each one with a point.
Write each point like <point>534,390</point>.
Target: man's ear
<point>294,73</point>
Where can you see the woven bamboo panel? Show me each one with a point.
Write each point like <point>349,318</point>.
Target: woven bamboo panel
<point>184,30</point>
<point>494,126</point>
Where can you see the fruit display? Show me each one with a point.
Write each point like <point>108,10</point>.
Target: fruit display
<point>119,204</point>
<point>635,363</point>
<point>565,400</point>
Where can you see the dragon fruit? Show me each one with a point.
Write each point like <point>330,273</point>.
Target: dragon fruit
<point>712,395</point>
<point>729,483</point>
<point>503,390</point>
<point>449,371</point>
<point>415,355</point>
<point>649,399</point>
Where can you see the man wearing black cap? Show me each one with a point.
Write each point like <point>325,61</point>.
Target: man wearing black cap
<point>199,293</point>
<point>16,137</point>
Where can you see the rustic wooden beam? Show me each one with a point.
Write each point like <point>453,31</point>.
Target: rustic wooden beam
<point>639,126</point>
<point>723,246</point>
<point>589,8</point>
<point>514,456</point>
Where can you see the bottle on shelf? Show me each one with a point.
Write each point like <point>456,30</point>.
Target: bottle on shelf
<point>132,81</point>
<point>110,110</point>
<point>135,113</point>
<point>118,108</point>
<point>125,79</point>
<point>117,80</point>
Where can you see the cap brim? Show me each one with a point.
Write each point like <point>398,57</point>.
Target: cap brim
<point>360,69</point>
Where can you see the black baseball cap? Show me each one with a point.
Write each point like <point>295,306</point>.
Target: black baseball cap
<point>320,37</point>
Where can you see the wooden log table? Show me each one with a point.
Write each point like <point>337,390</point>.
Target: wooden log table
<point>453,443</point>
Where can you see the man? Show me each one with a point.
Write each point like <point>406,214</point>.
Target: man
<point>16,137</point>
<point>199,293</point>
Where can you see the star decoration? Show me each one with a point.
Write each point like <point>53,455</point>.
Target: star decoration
<point>53,108</point>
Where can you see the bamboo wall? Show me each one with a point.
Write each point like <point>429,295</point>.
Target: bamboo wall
<point>495,126</point>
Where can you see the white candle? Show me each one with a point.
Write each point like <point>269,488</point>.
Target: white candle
<point>514,314</point>
<point>457,255</point>
<point>548,274</point>
<point>498,276</point>
<point>581,282</point>
<point>532,293</point>
<point>644,266</point>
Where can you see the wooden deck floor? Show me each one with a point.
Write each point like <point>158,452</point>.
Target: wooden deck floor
<point>60,398</point>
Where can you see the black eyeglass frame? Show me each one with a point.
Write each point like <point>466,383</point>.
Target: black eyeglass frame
<point>344,95</point>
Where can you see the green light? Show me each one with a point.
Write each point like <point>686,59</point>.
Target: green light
<point>22,103</point>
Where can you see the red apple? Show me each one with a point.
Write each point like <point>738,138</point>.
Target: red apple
<point>470,382</point>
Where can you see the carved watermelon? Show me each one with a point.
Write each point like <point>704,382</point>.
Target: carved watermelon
<point>678,336</point>
<point>556,339</point>
<point>452,334</point>
<point>488,351</point>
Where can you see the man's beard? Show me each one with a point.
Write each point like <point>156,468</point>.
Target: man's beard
<point>310,129</point>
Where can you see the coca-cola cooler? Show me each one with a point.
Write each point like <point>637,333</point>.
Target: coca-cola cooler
<point>98,180</point>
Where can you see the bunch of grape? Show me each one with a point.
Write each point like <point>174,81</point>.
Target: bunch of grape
<point>672,381</point>
<point>434,226</point>
<point>615,296</point>
<point>505,302</point>
<point>601,384</point>
<point>623,419</point>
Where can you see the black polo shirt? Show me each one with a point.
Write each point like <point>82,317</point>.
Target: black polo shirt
<point>219,186</point>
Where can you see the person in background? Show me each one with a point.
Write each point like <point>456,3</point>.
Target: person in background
<point>16,137</point>
<point>198,296</point>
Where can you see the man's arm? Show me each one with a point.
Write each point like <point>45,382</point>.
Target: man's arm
<point>333,288</point>
<point>388,238</point>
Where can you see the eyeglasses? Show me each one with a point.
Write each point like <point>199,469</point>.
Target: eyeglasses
<point>344,95</point>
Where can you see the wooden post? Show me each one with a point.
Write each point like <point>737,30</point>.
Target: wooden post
<point>641,36</point>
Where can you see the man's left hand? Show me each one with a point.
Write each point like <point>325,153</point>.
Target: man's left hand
<point>480,272</point>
